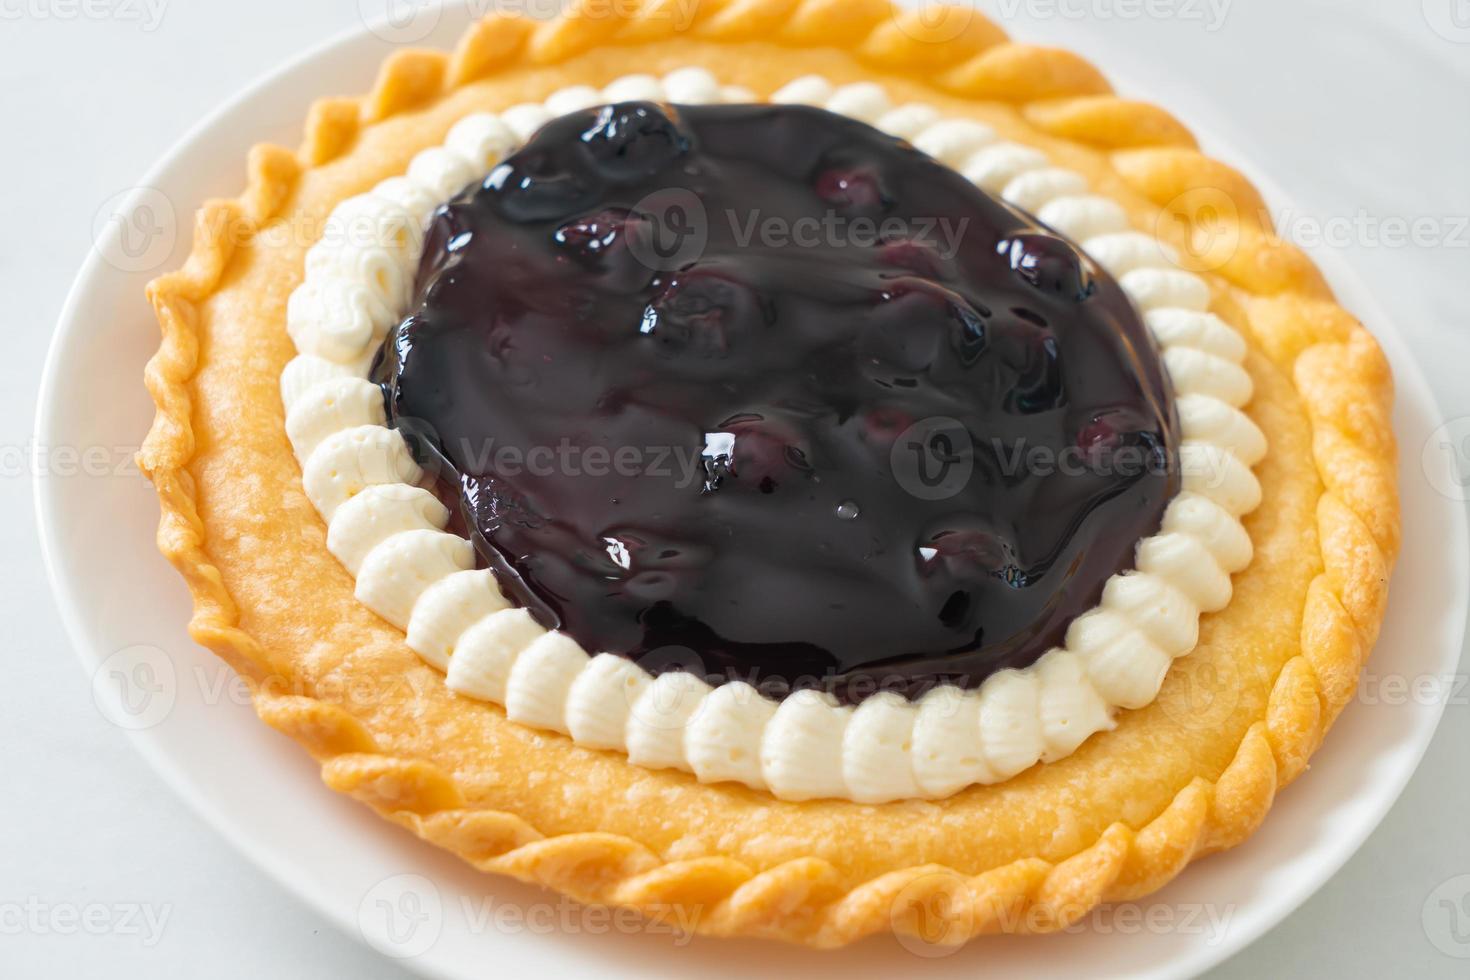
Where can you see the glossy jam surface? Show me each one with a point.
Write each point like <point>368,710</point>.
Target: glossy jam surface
<point>760,392</point>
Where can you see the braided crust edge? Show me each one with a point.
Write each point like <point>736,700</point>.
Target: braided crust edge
<point>1340,374</point>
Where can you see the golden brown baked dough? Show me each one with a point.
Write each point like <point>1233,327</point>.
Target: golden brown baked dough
<point>1193,773</point>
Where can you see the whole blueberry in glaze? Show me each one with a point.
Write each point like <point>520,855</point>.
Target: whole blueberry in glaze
<point>704,309</point>
<point>849,187</point>
<point>633,140</point>
<point>912,256</point>
<point>1050,264</point>
<point>595,234</point>
<point>726,464</point>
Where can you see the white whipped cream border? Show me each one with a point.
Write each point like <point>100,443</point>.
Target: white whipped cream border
<point>387,529</point>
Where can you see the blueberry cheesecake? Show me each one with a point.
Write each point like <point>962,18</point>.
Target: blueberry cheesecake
<point>786,467</point>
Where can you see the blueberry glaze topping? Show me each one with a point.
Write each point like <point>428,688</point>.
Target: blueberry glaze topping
<point>763,393</point>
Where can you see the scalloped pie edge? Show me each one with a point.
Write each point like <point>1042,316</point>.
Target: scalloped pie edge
<point>1338,372</point>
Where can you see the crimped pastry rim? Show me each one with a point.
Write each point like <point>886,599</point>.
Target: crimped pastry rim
<point>1339,374</point>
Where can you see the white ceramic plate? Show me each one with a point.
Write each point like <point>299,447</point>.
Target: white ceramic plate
<point>126,612</point>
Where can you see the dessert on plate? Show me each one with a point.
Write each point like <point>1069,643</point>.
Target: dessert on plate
<point>821,468</point>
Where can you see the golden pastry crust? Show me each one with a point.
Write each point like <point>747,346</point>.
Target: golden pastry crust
<point>1193,773</point>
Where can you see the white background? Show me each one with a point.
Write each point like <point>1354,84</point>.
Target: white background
<point>1361,113</point>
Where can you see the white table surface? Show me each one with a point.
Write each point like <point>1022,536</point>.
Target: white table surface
<point>1361,112</point>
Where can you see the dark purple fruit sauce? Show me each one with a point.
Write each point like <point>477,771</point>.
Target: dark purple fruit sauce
<point>763,393</point>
